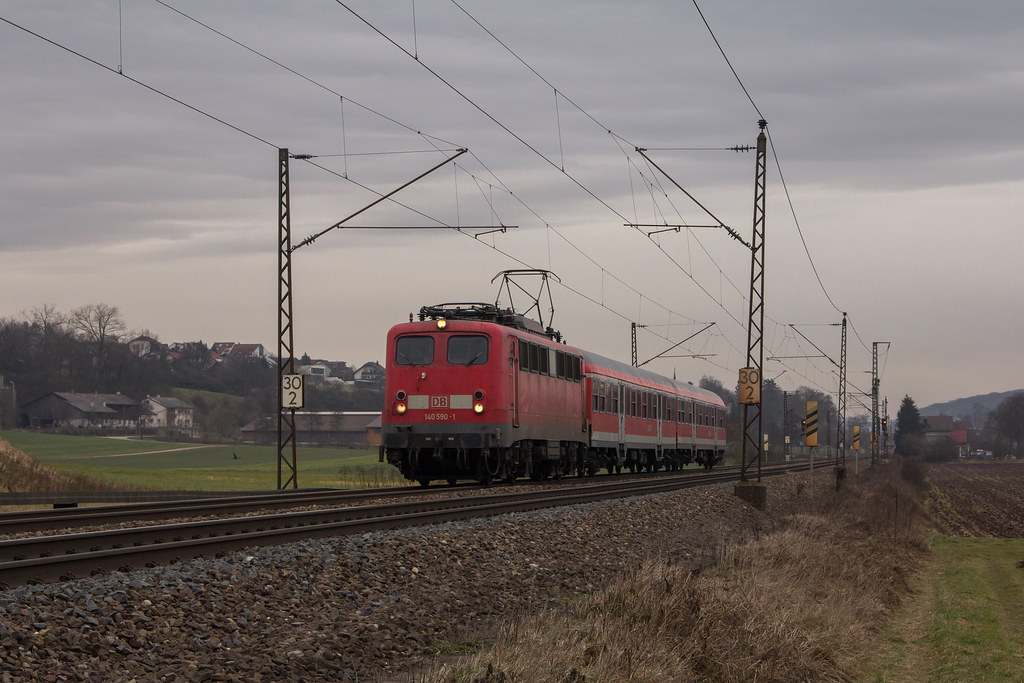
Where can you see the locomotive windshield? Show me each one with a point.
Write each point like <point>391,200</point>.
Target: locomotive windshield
<point>414,350</point>
<point>467,350</point>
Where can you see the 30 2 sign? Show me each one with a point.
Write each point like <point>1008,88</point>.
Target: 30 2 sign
<point>750,386</point>
<point>292,394</point>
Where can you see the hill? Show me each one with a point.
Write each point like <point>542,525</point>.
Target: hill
<point>973,407</point>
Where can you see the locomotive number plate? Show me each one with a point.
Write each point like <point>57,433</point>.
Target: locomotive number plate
<point>439,417</point>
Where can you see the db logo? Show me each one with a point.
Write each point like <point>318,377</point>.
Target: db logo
<point>438,401</point>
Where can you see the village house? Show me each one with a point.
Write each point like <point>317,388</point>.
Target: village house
<point>172,414</point>
<point>71,409</point>
<point>370,374</point>
<point>257,351</point>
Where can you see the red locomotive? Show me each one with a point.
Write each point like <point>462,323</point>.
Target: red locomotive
<point>478,392</point>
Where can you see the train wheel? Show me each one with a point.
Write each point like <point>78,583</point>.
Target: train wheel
<point>424,482</point>
<point>451,482</point>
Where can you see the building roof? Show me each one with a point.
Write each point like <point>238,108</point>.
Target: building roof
<point>169,402</point>
<point>92,403</point>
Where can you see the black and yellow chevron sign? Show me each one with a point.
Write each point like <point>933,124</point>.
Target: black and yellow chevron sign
<point>812,424</point>
<point>856,437</point>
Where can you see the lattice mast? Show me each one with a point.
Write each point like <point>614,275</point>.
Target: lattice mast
<point>285,336</point>
<point>752,445</point>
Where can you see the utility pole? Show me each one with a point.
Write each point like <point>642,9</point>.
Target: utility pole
<point>632,330</point>
<point>751,376</point>
<point>841,417</point>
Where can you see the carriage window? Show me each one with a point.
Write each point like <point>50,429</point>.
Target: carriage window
<point>467,350</point>
<point>414,350</point>
<point>615,398</point>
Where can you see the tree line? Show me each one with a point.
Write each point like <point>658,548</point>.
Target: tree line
<point>1002,432</point>
<point>86,350</point>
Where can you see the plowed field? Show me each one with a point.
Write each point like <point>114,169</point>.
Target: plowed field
<point>978,499</point>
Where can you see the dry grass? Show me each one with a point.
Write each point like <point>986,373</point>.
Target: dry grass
<point>804,603</point>
<point>21,474</point>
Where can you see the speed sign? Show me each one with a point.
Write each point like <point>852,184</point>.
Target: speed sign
<point>292,394</point>
<point>750,386</point>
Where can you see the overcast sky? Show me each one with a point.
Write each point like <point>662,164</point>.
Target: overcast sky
<point>896,125</point>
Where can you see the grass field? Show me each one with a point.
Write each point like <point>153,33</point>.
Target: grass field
<point>180,466</point>
<point>966,620</point>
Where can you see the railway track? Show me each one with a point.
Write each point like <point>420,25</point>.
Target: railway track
<point>67,556</point>
<point>68,518</point>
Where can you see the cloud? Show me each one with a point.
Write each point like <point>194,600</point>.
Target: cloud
<point>894,124</point>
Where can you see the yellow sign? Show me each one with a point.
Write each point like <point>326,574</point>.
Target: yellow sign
<point>856,437</point>
<point>811,438</point>
<point>750,386</point>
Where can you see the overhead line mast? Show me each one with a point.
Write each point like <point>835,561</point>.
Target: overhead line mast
<point>290,383</point>
<point>751,377</point>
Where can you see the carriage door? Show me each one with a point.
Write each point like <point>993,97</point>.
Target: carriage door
<point>623,398</point>
<point>513,365</point>
<point>659,401</point>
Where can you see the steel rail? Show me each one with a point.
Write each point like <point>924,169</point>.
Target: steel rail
<point>67,556</point>
<point>73,518</point>
<point>64,518</point>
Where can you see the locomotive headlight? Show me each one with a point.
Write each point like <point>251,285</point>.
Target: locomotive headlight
<point>442,323</point>
<point>478,408</point>
<point>400,408</point>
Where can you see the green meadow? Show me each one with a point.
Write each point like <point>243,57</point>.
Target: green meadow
<point>161,465</point>
<point>966,619</point>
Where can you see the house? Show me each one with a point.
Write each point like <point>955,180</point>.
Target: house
<point>327,372</point>
<point>370,374</point>
<point>317,373</point>
<point>167,412</point>
<point>194,354</point>
<point>946,429</point>
<point>257,351</point>
<point>356,429</point>
<point>144,347</point>
<point>68,408</point>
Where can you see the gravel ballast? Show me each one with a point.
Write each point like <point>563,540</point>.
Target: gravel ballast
<point>363,608</point>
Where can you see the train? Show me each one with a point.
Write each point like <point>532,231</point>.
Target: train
<point>474,391</point>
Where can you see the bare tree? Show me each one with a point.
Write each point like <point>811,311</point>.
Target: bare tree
<point>47,319</point>
<point>100,327</point>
